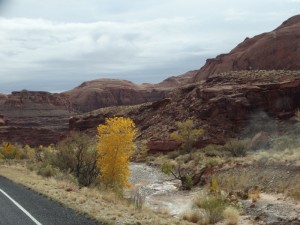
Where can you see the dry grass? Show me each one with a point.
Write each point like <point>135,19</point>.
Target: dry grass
<point>104,206</point>
<point>272,171</point>
<point>198,216</point>
<point>213,204</point>
<point>231,216</point>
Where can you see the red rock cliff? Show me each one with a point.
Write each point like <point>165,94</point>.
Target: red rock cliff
<point>275,50</point>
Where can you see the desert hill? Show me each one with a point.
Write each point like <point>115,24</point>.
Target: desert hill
<point>275,50</point>
<point>100,93</point>
<point>225,105</point>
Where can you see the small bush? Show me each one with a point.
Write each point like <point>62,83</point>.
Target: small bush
<point>212,151</point>
<point>47,171</point>
<point>199,216</point>
<point>213,204</point>
<point>231,215</point>
<point>31,166</point>
<point>294,193</point>
<point>283,142</point>
<point>237,148</point>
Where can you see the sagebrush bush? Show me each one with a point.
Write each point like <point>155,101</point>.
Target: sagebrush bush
<point>47,171</point>
<point>199,216</point>
<point>237,148</point>
<point>214,204</point>
<point>284,142</point>
<point>212,151</point>
<point>231,215</point>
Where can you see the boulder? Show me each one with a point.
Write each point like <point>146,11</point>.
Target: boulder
<point>260,140</point>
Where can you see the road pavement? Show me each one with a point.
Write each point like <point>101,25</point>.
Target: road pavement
<point>20,206</point>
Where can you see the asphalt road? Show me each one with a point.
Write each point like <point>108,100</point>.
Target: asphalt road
<point>20,206</point>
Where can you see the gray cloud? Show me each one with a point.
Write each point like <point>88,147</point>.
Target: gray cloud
<point>64,43</point>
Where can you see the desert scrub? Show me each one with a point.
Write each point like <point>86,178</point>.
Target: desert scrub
<point>47,171</point>
<point>283,142</point>
<point>231,215</point>
<point>213,204</point>
<point>213,151</point>
<point>237,148</point>
<point>294,193</point>
<point>199,216</point>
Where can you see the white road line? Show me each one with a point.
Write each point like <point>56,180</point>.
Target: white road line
<point>20,207</point>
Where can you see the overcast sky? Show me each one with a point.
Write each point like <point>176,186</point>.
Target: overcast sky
<point>54,45</point>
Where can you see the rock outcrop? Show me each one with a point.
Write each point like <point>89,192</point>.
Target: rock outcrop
<point>275,50</point>
<point>34,117</point>
<point>2,121</point>
<point>225,106</point>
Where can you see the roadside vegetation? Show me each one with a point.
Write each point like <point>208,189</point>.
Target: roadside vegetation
<point>90,174</point>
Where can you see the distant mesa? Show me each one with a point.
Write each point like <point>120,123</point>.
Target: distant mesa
<point>101,93</point>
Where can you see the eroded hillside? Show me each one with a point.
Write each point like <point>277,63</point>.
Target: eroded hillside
<point>225,106</point>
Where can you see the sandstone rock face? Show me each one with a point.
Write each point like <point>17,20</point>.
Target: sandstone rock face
<point>2,121</point>
<point>101,93</point>
<point>225,106</point>
<point>34,117</point>
<point>275,50</point>
<point>31,136</point>
<point>162,145</point>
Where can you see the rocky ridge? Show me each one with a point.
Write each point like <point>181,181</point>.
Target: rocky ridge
<point>275,50</point>
<point>225,106</point>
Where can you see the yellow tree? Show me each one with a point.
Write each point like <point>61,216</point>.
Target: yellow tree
<point>116,145</point>
<point>8,150</point>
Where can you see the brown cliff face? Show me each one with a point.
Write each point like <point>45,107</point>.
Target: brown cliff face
<point>275,50</point>
<point>2,121</point>
<point>101,93</point>
<point>225,105</point>
<point>34,117</point>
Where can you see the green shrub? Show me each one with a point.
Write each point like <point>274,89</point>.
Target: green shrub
<point>187,135</point>
<point>283,142</point>
<point>77,154</point>
<point>47,171</point>
<point>212,151</point>
<point>199,216</point>
<point>237,148</point>
<point>214,204</point>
